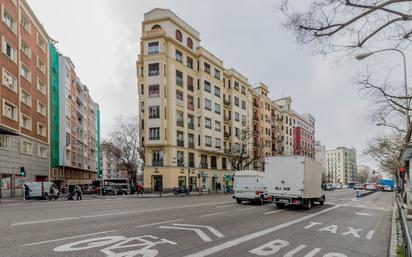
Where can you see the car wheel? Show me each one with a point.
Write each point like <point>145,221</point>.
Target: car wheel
<point>238,201</point>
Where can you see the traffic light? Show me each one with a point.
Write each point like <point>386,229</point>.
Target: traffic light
<point>99,174</point>
<point>22,172</point>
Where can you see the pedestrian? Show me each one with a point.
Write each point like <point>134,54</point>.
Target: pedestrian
<point>26,192</point>
<point>224,188</point>
<point>139,189</point>
<point>79,192</point>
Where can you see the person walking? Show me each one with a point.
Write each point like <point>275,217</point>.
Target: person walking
<point>79,192</point>
<point>26,192</point>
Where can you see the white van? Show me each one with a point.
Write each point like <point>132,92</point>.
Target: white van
<point>249,186</point>
<point>39,190</point>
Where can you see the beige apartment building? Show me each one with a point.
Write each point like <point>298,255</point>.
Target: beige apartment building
<point>24,98</point>
<point>195,115</point>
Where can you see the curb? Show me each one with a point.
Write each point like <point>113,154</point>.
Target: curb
<point>363,194</point>
<point>394,234</point>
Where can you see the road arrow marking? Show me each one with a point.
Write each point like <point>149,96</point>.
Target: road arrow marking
<point>198,231</point>
<point>362,213</point>
<point>210,228</point>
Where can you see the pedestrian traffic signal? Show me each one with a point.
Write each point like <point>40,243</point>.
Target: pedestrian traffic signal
<point>22,172</point>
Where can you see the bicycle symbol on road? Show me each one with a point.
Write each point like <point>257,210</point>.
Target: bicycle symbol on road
<point>134,246</point>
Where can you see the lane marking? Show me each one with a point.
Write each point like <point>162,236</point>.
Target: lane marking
<point>245,209</point>
<point>115,213</point>
<point>225,206</point>
<point>157,223</point>
<point>271,212</point>
<point>212,214</point>
<point>210,228</point>
<point>242,239</point>
<point>362,213</point>
<point>66,238</point>
<point>198,231</point>
<point>370,235</point>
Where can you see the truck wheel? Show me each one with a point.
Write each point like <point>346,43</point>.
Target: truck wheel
<point>259,201</point>
<point>308,204</point>
<point>322,200</point>
<point>280,205</point>
<point>238,201</point>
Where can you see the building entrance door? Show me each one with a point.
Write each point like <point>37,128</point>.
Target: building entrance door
<point>214,181</point>
<point>192,184</point>
<point>157,182</point>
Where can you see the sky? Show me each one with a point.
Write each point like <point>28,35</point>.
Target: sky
<point>102,39</point>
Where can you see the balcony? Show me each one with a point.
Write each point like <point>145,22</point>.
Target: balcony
<point>203,165</point>
<point>179,123</point>
<point>180,163</point>
<point>227,135</point>
<point>157,163</point>
<point>191,145</point>
<point>226,103</point>
<point>180,143</point>
<point>228,118</point>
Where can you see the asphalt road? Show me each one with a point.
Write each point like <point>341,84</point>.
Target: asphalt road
<point>198,226</point>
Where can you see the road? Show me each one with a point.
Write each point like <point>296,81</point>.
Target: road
<point>198,226</point>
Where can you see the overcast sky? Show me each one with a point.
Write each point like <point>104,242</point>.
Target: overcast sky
<point>102,39</point>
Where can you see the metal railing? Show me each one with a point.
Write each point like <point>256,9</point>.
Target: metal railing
<point>406,235</point>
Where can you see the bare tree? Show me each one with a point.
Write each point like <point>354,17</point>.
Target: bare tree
<point>241,156</point>
<point>363,176</point>
<point>124,146</point>
<point>347,25</point>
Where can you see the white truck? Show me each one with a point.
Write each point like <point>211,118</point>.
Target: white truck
<point>249,186</point>
<point>294,180</point>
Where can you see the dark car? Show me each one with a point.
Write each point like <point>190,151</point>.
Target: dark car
<point>121,189</point>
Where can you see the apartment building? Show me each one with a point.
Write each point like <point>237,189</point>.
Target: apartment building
<point>75,159</point>
<point>341,165</point>
<point>304,134</point>
<point>320,154</point>
<point>195,115</point>
<point>24,97</point>
<point>110,168</point>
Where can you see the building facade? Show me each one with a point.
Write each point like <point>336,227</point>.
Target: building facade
<point>75,120</point>
<point>195,115</point>
<point>341,165</point>
<point>24,98</point>
<point>304,134</point>
<point>110,168</point>
<point>320,154</point>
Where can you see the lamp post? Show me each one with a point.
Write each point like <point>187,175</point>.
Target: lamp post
<point>64,159</point>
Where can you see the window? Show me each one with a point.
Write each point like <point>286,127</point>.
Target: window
<point>42,152</point>
<point>224,165</point>
<point>208,87</point>
<point>208,123</point>
<point>237,132</point>
<point>244,120</point>
<point>179,56</point>
<point>154,48</point>
<point>41,43</point>
<point>236,116</point>
<point>8,20</point>
<point>236,85</point>
<point>9,81</point>
<point>9,50</point>
<point>208,141</point>
<point>189,43</point>
<point>190,122</point>
<point>206,67</point>
<point>217,74</point>
<point>157,158</point>
<point>25,49</point>
<point>41,86</point>
<point>154,91</point>
<point>4,141</point>
<point>9,110</point>
<point>208,104</point>
<point>180,159</point>
<point>41,129</point>
<point>189,62</point>
<point>203,161</point>
<point>218,143</point>
<point>191,160</point>
<point>25,98</point>
<point>236,101</point>
<point>25,72</point>
<point>179,35</point>
<point>190,103</point>
<point>26,25</point>
<point>41,108</point>
<point>154,69</point>
<point>26,147</point>
<point>189,83</point>
<point>217,91</point>
<point>213,162</point>
<point>179,78</point>
<point>180,139</point>
<point>217,108</point>
<point>41,65</point>
<point>26,122</point>
<point>179,97</point>
<point>218,126</point>
<point>154,133</point>
<point>179,119</point>
<point>154,112</point>
<point>243,90</point>
<point>243,104</point>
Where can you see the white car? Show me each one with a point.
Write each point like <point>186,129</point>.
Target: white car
<point>249,186</point>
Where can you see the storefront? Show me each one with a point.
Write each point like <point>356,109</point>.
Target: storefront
<point>11,185</point>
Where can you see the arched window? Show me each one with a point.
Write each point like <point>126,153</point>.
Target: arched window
<point>179,35</point>
<point>157,26</point>
<point>189,43</point>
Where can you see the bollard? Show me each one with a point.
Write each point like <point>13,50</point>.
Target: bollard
<point>357,194</point>
<point>160,193</point>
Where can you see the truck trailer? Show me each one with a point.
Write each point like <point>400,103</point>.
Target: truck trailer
<point>294,180</point>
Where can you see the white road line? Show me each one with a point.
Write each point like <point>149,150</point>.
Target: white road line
<point>66,238</point>
<point>225,206</point>
<point>158,223</point>
<point>271,212</point>
<point>210,228</point>
<point>242,239</point>
<point>370,235</point>
<point>245,209</point>
<point>212,214</point>
<point>198,231</point>
<point>114,214</point>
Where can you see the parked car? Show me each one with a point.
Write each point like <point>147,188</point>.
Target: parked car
<point>249,186</point>
<point>387,188</point>
<point>39,190</point>
<point>328,187</point>
<point>121,189</point>
<point>358,187</point>
<point>370,186</point>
